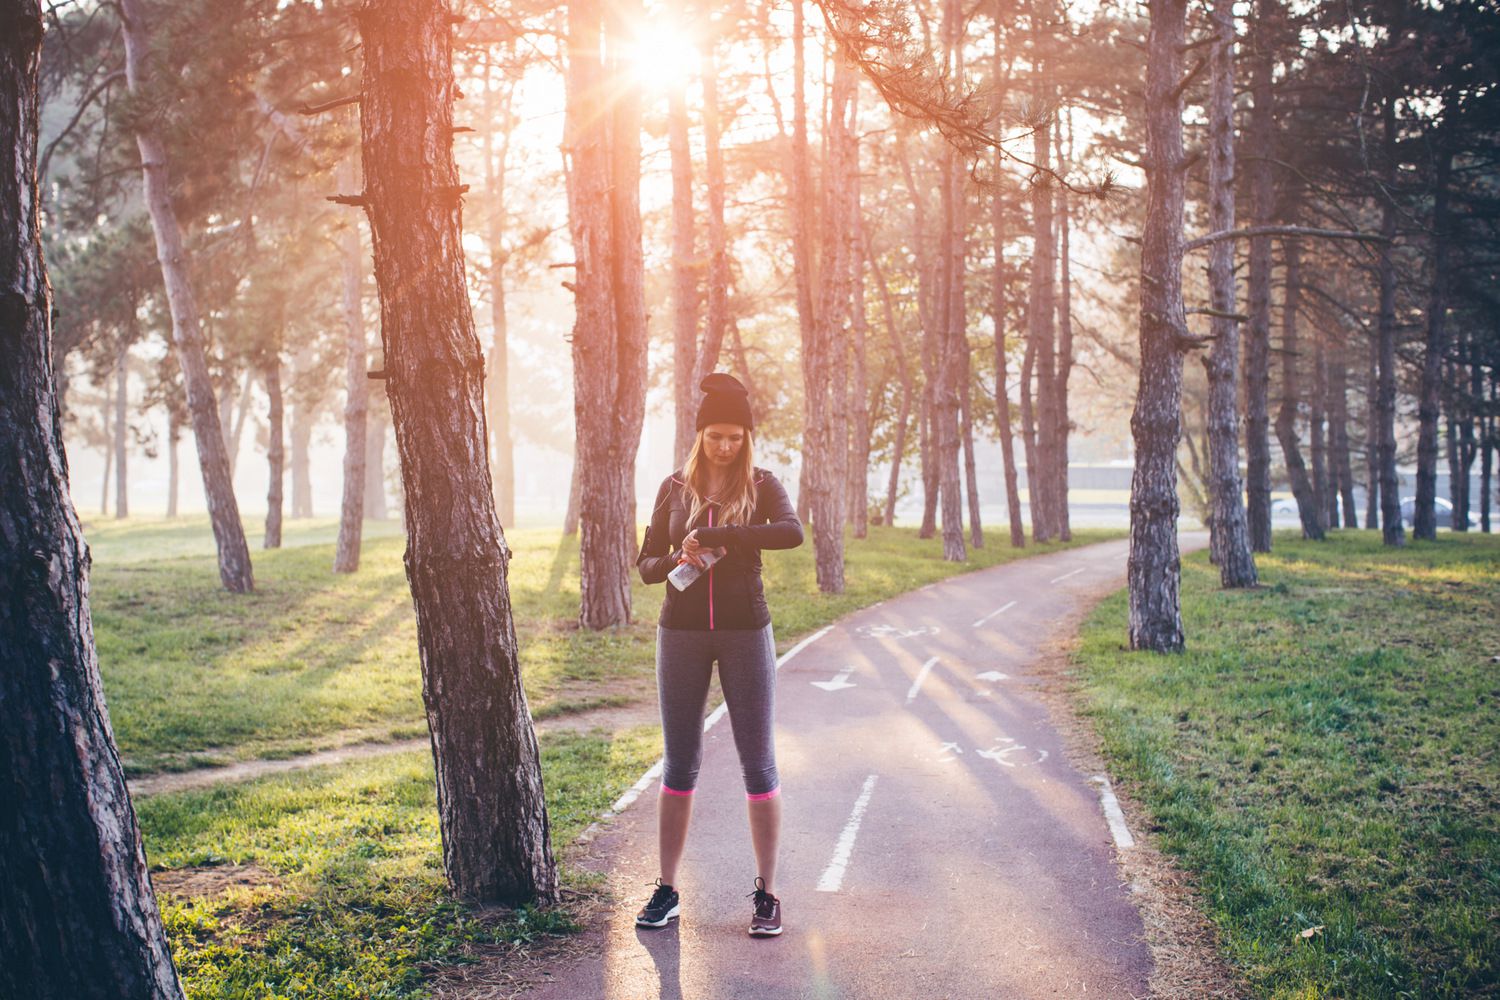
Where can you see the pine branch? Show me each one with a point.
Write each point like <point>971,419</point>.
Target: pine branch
<point>1249,231</point>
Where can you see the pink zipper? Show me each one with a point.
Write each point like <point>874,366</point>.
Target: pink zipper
<point>710,578</point>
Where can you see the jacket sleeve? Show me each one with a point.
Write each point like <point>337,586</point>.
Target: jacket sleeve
<point>656,558</point>
<point>782,529</point>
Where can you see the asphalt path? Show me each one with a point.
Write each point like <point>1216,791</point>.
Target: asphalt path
<point>935,841</point>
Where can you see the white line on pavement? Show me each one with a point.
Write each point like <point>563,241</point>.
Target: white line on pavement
<point>1058,579</point>
<point>833,875</point>
<point>1113,814</point>
<point>993,614</point>
<point>916,685</point>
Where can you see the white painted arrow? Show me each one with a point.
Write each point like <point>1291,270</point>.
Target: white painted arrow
<point>992,675</point>
<point>839,682</point>
<point>949,748</point>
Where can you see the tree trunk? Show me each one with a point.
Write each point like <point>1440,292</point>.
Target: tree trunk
<point>375,505</point>
<point>824,357</point>
<point>908,390</point>
<point>492,813</point>
<point>1372,435</point>
<point>304,416</point>
<point>684,273</point>
<point>1230,535</point>
<point>187,334</point>
<point>1064,349</point>
<point>356,394</point>
<point>802,212</point>
<point>1489,440</point>
<point>927,316</point>
<point>971,476</point>
<point>1153,571</point>
<point>1028,432</point>
<point>1260,142</point>
<point>1424,515</point>
<point>78,920</point>
<point>241,417</point>
<point>570,515</point>
<point>952,354</point>
<point>497,368</point>
<point>174,435</point>
<point>106,424</point>
<point>1308,508</point>
<point>121,426</point>
<point>1338,429</point>
<point>858,503</point>
<point>1392,531</point>
<point>717,319</point>
<point>275,450</point>
<point>998,315</point>
<point>1041,322</point>
<point>609,331</point>
<point>1323,488</point>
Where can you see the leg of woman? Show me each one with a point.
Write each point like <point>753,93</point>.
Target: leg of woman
<point>747,673</point>
<point>684,664</point>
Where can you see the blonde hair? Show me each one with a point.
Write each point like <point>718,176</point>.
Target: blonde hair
<point>737,499</point>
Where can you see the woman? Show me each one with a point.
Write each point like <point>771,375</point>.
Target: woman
<point>718,504</point>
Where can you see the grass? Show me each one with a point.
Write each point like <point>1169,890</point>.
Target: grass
<point>351,901</point>
<point>1324,758</point>
<point>194,675</point>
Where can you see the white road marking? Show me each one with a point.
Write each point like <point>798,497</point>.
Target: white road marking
<point>992,675</point>
<point>949,748</point>
<point>833,875</point>
<point>1113,814</point>
<point>839,682</point>
<point>894,632</point>
<point>916,685</point>
<point>654,771</point>
<point>993,614</point>
<point>1059,579</point>
<point>998,753</point>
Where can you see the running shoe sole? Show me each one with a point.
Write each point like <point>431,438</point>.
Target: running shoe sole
<point>764,931</point>
<point>671,915</point>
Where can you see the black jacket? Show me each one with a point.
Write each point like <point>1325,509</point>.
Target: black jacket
<point>729,595</point>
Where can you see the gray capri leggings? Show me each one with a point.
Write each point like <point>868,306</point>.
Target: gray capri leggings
<point>747,674</point>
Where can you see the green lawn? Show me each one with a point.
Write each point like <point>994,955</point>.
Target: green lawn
<point>194,675</point>
<point>1324,758</point>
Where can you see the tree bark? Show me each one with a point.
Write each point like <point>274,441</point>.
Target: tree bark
<point>1372,438</point>
<point>106,422</point>
<point>685,270</point>
<point>1322,487</point>
<point>187,333</point>
<point>1064,342</point>
<point>1489,440</point>
<point>1424,515</point>
<point>304,417</point>
<point>1338,429</point>
<point>78,919</point>
<point>492,813</point>
<point>858,503</point>
<point>998,315</point>
<point>1230,535</point>
<point>951,315</point>
<point>1041,327</point>
<point>927,316</point>
<point>1152,569</point>
<point>1308,508</point>
<point>1261,139</point>
<point>356,394</point>
<point>275,451</point>
<point>174,435</point>
<point>824,355</point>
<point>241,417</point>
<point>375,505</point>
<point>121,427</point>
<point>717,319</point>
<point>904,373</point>
<point>609,331</point>
<point>1392,530</point>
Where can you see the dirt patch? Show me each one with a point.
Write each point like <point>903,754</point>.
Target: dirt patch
<point>201,882</point>
<point>1188,964</point>
<point>613,718</point>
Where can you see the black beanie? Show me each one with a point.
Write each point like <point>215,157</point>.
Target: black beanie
<point>725,401</point>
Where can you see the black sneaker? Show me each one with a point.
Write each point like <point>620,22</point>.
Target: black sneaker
<point>767,919</point>
<point>662,908</point>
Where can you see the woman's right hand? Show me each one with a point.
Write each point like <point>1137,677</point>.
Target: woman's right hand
<point>692,550</point>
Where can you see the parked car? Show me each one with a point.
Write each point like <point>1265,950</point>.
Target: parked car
<point>1442,508</point>
<point>1284,505</point>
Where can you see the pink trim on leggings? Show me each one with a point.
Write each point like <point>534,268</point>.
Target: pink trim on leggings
<point>762,796</point>
<point>672,791</point>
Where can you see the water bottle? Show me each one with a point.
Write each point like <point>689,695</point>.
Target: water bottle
<point>683,576</point>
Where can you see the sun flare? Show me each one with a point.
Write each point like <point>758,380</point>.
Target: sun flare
<point>663,55</point>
